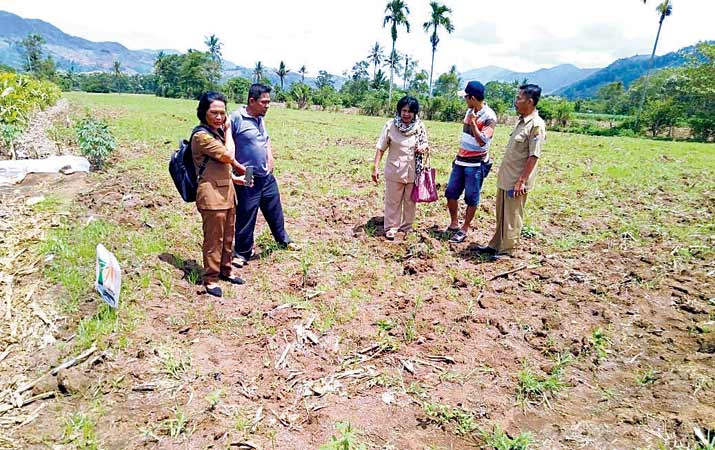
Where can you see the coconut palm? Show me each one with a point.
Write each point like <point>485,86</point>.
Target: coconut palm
<point>302,71</point>
<point>214,46</point>
<point>394,62</point>
<point>282,72</point>
<point>396,15</point>
<point>258,71</point>
<point>438,18</point>
<point>665,9</point>
<point>376,56</point>
<point>410,67</point>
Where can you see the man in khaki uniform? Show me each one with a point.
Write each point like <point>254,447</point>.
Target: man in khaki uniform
<point>517,172</point>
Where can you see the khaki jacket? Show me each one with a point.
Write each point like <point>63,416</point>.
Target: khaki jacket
<point>526,140</point>
<point>215,189</point>
<point>400,158</point>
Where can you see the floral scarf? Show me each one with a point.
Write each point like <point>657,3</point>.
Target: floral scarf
<point>416,127</point>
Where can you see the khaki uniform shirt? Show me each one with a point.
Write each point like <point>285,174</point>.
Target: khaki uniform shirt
<point>526,140</point>
<point>215,189</point>
<point>400,161</point>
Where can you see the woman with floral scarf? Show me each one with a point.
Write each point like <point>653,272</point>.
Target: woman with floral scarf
<point>405,140</point>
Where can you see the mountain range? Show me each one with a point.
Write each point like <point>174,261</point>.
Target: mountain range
<point>82,55</point>
<point>550,80</point>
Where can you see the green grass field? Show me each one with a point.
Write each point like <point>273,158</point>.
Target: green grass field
<point>548,357</point>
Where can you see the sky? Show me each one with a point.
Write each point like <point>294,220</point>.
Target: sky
<point>334,34</point>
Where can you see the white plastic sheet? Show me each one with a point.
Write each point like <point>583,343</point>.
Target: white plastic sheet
<point>14,171</point>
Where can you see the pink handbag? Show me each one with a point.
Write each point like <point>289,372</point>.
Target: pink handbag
<point>425,188</point>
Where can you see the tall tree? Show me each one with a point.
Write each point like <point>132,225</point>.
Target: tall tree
<point>32,46</point>
<point>380,81</point>
<point>282,72</point>
<point>360,71</point>
<point>214,46</point>
<point>375,57</point>
<point>117,71</point>
<point>302,71</point>
<point>258,71</point>
<point>324,80</point>
<point>396,14</point>
<point>447,83</point>
<point>438,18</point>
<point>664,10</point>
<point>394,62</point>
<point>410,67</point>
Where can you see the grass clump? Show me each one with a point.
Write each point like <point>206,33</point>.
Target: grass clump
<point>532,387</point>
<point>80,430</point>
<point>464,422</point>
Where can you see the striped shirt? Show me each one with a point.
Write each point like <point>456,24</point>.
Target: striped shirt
<point>471,152</point>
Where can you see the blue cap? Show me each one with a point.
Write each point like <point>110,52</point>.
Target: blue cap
<point>473,88</point>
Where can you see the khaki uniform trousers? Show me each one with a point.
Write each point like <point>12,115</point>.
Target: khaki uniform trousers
<point>399,207</point>
<point>219,227</point>
<point>510,219</point>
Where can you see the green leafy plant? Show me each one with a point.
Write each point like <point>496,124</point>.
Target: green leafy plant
<point>214,398</point>
<point>346,440</point>
<point>464,421</point>
<point>498,439</point>
<point>646,377</point>
<point>95,140</point>
<point>600,343</point>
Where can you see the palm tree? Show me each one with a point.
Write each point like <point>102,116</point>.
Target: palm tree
<point>117,70</point>
<point>302,71</point>
<point>282,72</point>
<point>375,57</point>
<point>438,18</point>
<point>258,71</point>
<point>393,62</point>
<point>379,81</point>
<point>396,14</point>
<point>214,47</point>
<point>410,66</point>
<point>665,9</point>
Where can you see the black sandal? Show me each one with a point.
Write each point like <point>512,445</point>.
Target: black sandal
<point>233,279</point>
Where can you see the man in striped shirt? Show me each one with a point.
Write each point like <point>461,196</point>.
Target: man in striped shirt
<point>472,164</point>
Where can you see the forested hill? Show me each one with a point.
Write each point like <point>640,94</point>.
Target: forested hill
<point>68,51</point>
<point>625,70</point>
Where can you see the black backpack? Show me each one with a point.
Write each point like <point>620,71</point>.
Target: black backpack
<point>182,169</point>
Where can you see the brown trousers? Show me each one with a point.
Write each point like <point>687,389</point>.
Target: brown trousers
<point>399,208</point>
<point>510,219</point>
<point>219,227</point>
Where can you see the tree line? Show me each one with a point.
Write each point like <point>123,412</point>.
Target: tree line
<point>667,99</point>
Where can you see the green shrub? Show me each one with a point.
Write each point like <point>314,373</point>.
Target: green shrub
<point>375,104</point>
<point>95,140</point>
<point>20,96</point>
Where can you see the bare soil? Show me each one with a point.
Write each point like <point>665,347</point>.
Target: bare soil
<point>287,388</point>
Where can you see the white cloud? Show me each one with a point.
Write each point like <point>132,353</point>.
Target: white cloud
<point>333,34</point>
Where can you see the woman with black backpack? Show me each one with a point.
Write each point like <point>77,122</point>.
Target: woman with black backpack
<point>215,196</point>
